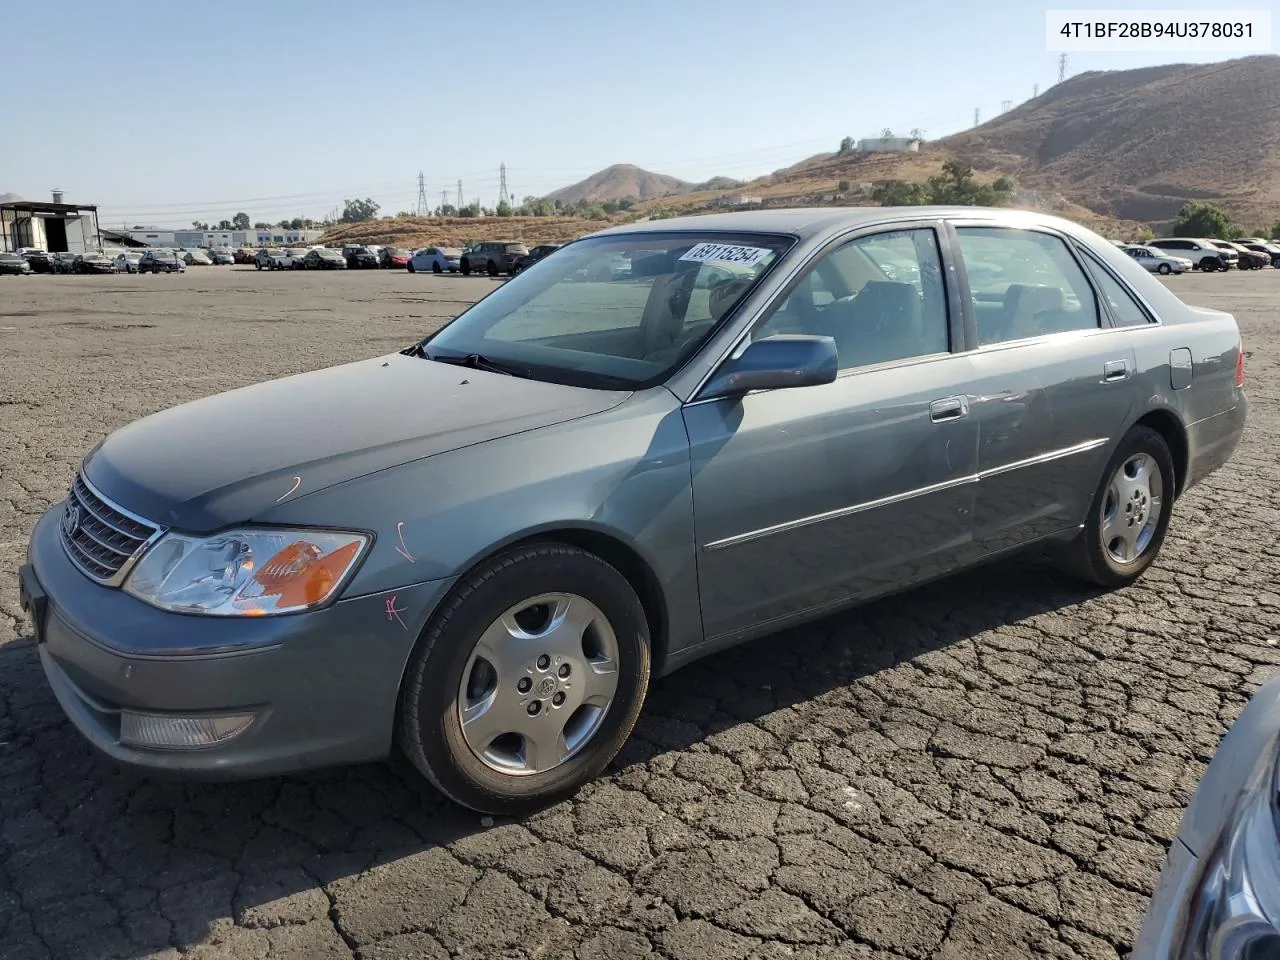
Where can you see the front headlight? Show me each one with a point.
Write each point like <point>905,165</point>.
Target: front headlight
<point>247,572</point>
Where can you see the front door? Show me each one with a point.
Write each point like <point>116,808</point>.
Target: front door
<point>805,499</point>
<point>1054,383</point>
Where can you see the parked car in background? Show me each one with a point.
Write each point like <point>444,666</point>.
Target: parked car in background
<point>1203,253</point>
<point>360,257</point>
<point>490,588</point>
<point>244,256</point>
<point>92,263</point>
<point>222,257</point>
<point>1229,253</point>
<point>14,265</point>
<point>1272,250</point>
<point>268,259</point>
<point>535,254</point>
<point>322,258</point>
<point>39,260</point>
<point>1156,260</point>
<point>1218,896</point>
<point>197,258</point>
<point>1249,259</point>
<point>161,261</point>
<point>492,258</point>
<point>63,262</point>
<point>127,261</point>
<point>393,258</point>
<point>435,260</point>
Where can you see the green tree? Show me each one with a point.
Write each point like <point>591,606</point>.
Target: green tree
<point>225,225</point>
<point>240,221</point>
<point>846,145</point>
<point>504,209</point>
<point>900,193</point>
<point>1275,230</point>
<point>357,211</point>
<point>842,186</point>
<point>447,210</point>
<point>594,211</point>
<point>262,225</point>
<point>197,225</point>
<point>470,210</point>
<point>1202,220</point>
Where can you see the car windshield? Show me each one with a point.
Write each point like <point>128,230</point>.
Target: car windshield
<point>581,320</point>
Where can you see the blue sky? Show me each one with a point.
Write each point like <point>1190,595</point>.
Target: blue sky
<point>172,112</point>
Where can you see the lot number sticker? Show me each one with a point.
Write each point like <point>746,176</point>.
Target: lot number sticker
<point>726,253</point>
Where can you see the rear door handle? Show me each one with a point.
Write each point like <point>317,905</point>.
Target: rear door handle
<point>1115,370</point>
<point>948,408</point>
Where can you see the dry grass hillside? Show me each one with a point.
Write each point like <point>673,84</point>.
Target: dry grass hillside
<point>620,181</point>
<point>414,232</point>
<point>1140,143</point>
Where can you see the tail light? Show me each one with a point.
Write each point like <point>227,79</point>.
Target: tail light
<point>1240,366</point>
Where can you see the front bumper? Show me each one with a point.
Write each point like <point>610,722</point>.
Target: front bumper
<point>323,685</point>
<point>1218,897</point>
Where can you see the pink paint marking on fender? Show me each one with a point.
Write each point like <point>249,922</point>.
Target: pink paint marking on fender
<point>393,612</point>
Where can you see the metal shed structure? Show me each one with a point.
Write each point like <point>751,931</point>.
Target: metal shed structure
<point>55,227</point>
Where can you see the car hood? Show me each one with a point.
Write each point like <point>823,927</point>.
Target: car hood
<point>228,458</point>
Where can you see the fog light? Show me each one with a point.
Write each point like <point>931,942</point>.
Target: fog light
<point>181,733</point>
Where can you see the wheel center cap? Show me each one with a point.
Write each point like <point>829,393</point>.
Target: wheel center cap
<point>546,686</point>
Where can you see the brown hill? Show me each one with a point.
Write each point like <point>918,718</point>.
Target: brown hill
<point>618,182</point>
<point>415,232</point>
<point>1140,143</point>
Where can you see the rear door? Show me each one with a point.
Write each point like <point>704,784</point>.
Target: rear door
<point>1054,382</point>
<point>805,499</point>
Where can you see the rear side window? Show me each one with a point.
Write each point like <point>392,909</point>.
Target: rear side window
<point>1024,284</point>
<point>1126,311</point>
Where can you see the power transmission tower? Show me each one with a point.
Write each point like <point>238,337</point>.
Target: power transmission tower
<point>459,194</point>
<point>423,209</point>
<point>1035,91</point>
<point>976,115</point>
<point>444,198</point>
<point>503,196</point>
<point>1062,67</point>
<point>1006,105</point>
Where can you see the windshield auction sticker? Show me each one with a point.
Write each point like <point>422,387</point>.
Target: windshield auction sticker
<point>725,253</point>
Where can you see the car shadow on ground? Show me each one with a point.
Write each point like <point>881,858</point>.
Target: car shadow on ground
<point>75,829</point>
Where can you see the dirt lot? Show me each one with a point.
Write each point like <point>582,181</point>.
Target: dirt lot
<point>989,767</point>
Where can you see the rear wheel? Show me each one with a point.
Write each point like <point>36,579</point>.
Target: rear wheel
<point>492,268</point>
<point>528,681</point>
<point>435,267</point>
<point>1129,515</point>
<point>411,270</point>
<point>466,268</point>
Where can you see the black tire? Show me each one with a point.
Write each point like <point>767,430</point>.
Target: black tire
<point>1165,269</point>
<point>1086,556</point>
<point>491,268</point>
<point>257,266</point>
<point>516,269</point>
<point>410,268</point>
<point>466,268</point>
<point>429,728</point>
<point>435,267</point>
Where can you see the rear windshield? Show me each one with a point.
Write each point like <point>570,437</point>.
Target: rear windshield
<point>582,318</point>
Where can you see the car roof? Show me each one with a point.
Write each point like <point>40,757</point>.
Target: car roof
<point>808,222</point>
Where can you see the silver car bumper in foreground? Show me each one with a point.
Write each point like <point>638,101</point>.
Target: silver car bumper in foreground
<point>1219,893</point>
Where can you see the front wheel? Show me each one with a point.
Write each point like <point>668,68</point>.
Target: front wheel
<point>492,268</point>
<point>528,681</point>
<point>411,270</point>
<point>435,268</point>
<point>1165,269</point>
<point>1129,514</point>
<point>466,268</point>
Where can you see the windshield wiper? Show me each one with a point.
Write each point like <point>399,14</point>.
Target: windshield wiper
<point>477,361</point>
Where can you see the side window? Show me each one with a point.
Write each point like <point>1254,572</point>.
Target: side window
<point>1024,284</point>
<point>880,297</point>
<point>1126,310</point>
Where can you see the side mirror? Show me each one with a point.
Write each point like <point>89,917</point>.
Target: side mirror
<point>785,360</point>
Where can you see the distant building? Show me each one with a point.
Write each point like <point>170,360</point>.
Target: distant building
<point>889,145</point>
<point>736,200</point>
<point>192,239</point>
<point>55,226</point>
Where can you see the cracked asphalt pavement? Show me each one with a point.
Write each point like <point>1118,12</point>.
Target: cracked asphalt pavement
<point>991,766</point>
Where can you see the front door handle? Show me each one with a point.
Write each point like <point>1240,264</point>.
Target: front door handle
<point>1115,370</point>
<point>948,408</point>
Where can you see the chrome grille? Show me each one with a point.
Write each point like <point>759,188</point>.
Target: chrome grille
<point>100,538</point>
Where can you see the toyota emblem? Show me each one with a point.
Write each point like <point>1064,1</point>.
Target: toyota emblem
<point>71,521</point>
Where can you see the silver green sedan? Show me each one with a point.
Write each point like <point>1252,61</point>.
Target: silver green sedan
<point>485,547</point>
